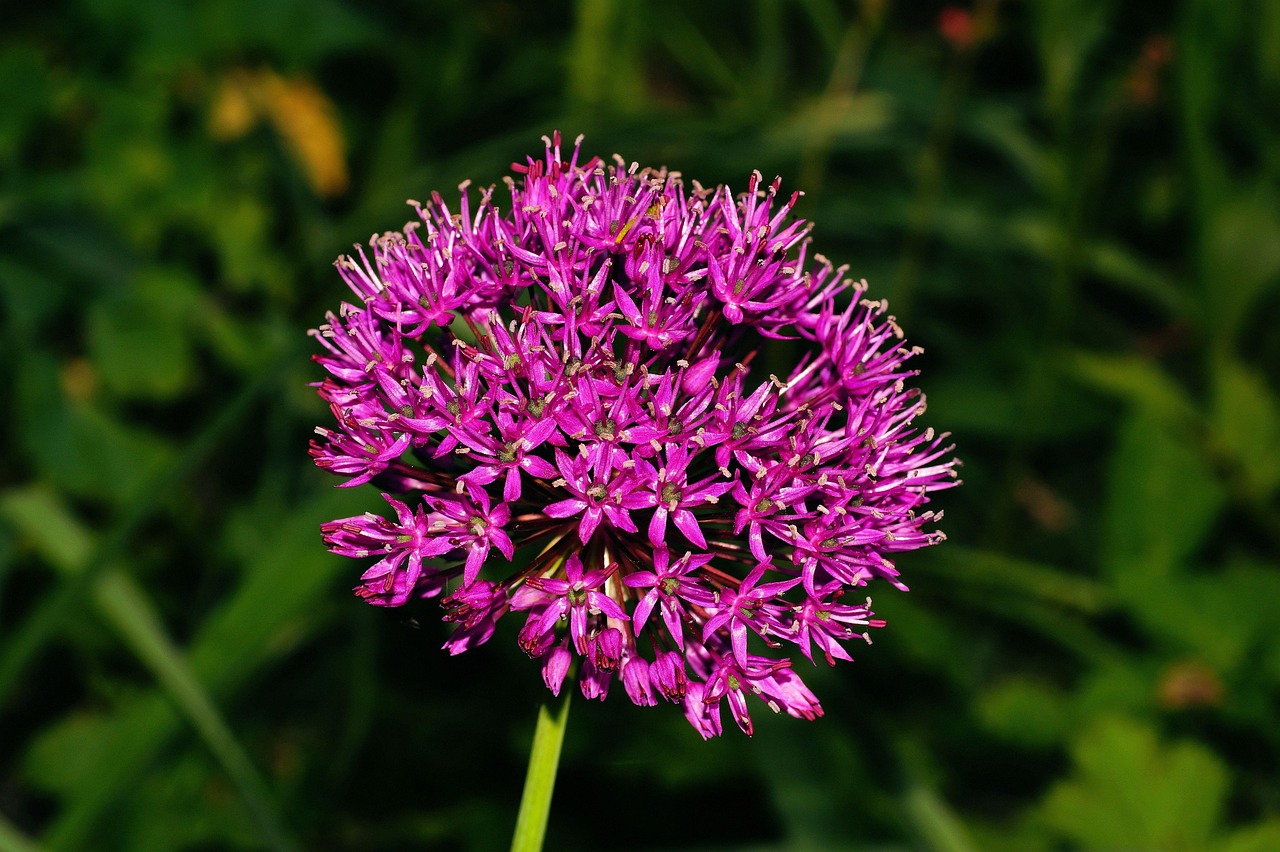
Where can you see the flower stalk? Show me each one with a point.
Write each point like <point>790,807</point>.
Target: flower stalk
<point>540,780</point>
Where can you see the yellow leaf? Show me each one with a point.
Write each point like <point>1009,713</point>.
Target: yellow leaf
<point>308,122</point>
<point>300,112</point>
<point>234,112</point>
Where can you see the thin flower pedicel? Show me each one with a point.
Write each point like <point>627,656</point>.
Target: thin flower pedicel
<point>555,387</point>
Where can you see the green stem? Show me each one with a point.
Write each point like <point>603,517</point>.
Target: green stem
<point>540,782</point>
<point>13,840</point>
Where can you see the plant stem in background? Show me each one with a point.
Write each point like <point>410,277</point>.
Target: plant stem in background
<point>846,73</point>
<point>931,171</point>
<point>540,782</point>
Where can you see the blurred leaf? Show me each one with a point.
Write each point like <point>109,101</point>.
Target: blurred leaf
<point>976,404</point>
<point>304,117</point>
<point>1129,792</point>
<point>1135,380</point>
<point>1005,127</point>
<point>988,400</point>
<point>1241,259</point>
<point>389,173</point>
<point>24,91</point>
<point>687,45</point>
<point>129,166</point>
<point>188,805</point>
<point>936,822</point>
<point>234,111</point>
<point>1266,30</point>
<point>55,607</point>
<point>810,775</point>
<point>1069,631</point>
<point>962,565</point>
<point>239,226</point>
<point>1118,265</point>
<point>1202,614</point>
<point>1264,837</point>
<point>769,56</point>
<point>174,809</point>
<point>1246,420</point>
<point>62,757</point>
<point>72,253</point>
<point>140,339</point>
<point>602,69</point>
<point>1025,712</point>
<point>1121,685</point>
<point>985,232</point>
<point>300,31</point>
<point>44,521</point>
<point>127,609</point>
<point>30,297</point>
<point>12,840</point>
<point>241,636</point>
<point>134,617</point>
<point>838,119</point>
<point>1000,835</point>
<point>1162,498</point>
<point>1066,32</point>
<point>76,445</point>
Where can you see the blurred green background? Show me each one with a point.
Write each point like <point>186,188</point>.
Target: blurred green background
<point>1073,205</point>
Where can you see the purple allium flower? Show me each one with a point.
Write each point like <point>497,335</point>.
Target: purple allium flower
<point>557,393</point>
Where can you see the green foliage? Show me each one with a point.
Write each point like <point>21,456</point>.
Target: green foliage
<point>1071,205</point>
<point>1025,712</point>
<point>1246,423</point>
<point>141,338</point>
<point>1162,502</point>
<point>1129,793</point>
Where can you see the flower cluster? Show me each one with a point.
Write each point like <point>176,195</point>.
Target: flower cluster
<point>561,397</point>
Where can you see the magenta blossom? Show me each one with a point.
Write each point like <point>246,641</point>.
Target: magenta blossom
<point>560,394</point>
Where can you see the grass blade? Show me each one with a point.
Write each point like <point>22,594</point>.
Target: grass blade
<point>64,542</point>
<point>54,609</point>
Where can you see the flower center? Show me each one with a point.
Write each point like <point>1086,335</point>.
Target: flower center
<point>606,429</point>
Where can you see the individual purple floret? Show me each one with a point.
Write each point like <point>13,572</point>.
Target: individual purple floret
<point>560,394</point>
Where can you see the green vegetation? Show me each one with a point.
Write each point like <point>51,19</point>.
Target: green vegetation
<point>1073,205</point>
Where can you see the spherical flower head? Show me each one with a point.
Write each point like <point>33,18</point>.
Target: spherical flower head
<point>554,386</point>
